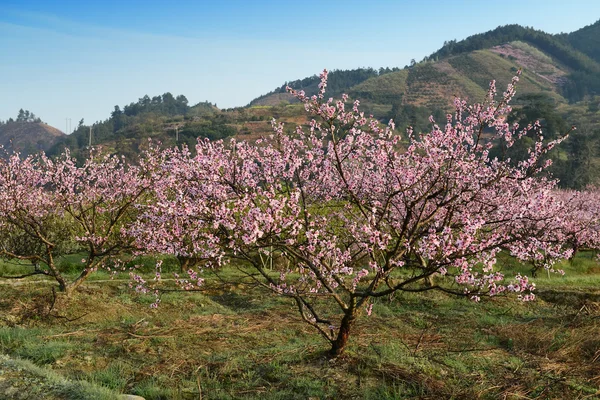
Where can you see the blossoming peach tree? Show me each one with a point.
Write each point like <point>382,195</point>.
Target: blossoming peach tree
<point>354,211</point>
<point>52,208</point>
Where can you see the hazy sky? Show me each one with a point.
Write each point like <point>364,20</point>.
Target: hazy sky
<point>78,59</point>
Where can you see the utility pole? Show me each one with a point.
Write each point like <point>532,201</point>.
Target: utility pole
<point>176,134</point>
<point>90,144</point>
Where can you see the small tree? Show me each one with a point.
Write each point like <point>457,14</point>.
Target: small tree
<point>356,213</point>
<point>21,117</point>
<point>52,208</point>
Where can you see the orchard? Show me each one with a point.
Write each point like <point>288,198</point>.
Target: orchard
<point>333,215</point>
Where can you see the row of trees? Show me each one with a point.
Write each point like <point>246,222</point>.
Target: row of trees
<point>23,116</point>
<point>334,216</point>
<point>166,104</point>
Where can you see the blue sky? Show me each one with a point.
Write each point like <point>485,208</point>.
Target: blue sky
<point>77,59</point>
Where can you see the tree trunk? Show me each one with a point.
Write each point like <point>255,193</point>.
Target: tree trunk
<point>575,250</point>
<point>71,288</point>
<point>534,272</point>
<point>339,344</point>
<point>184,263</point>
<point>62,283</point>
<point>54,272</point>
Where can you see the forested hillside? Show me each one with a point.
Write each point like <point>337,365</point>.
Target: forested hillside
<point>165,118</point>
<point>586,40</point>
<point>560,85</point>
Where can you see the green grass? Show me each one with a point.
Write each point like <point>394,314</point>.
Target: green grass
<point>385,88</point>
<point>14,267</point>
<point>30,381</point>
<point>230,342</point>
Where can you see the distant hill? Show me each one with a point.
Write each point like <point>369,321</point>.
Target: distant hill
<point>576,53</point>
<point>339,82</point>
<point>410,95</point>
<point>563,68</point>
<point>165,119</point>
<point>467,75</point>
<point>560,86</point>
<point>586,40</point>
<point>28,137</point>
<point>567,66</point>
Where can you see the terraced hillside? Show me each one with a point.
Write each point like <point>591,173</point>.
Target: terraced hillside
<point>467,75</point>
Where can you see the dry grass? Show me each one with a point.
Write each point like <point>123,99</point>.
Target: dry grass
<point>249,344</point>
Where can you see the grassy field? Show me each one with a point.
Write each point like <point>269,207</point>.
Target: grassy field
<point>230,341</point>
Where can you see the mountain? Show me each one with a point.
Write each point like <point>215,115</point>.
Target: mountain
<point>563,69</point>
<point>28,137</point>
<point>567,65</point>
<point>560,85</point>
<point>586,40</point>
<point>162,118</point>
<point>339,81</point>
<point>411,94</point>
<point>575,53</point>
